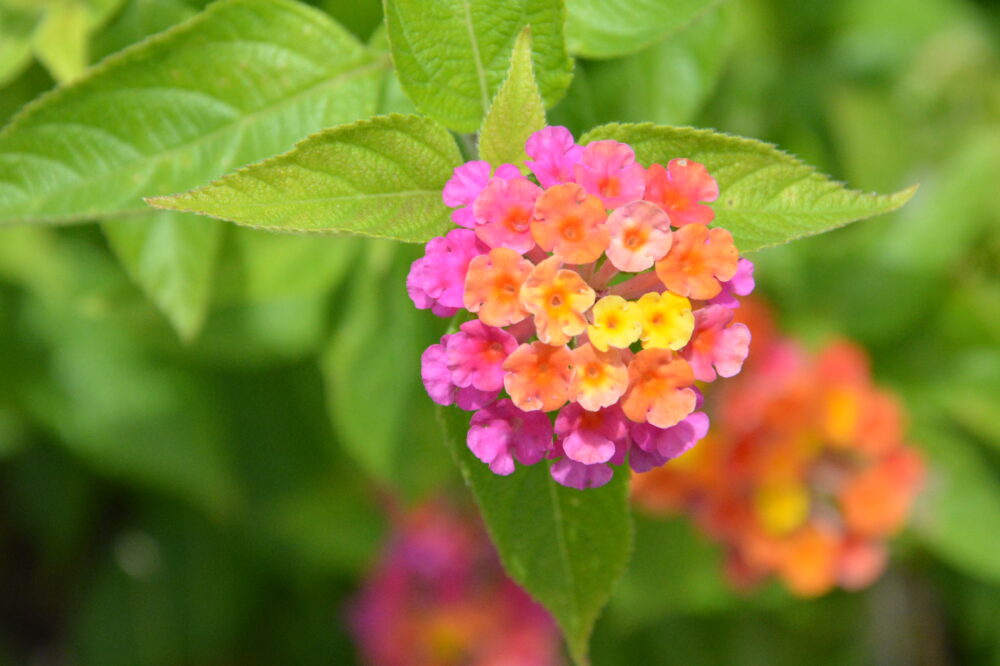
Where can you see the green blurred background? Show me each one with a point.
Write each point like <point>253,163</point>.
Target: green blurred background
<point>217,501</point>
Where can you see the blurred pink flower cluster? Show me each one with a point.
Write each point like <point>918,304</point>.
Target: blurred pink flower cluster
<point>438,596</point>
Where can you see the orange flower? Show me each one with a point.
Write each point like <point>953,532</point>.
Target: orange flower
<point>493,284</point>
<point>809,565</point>
<point>660,388</point>
<point>876,502</point>
<point>569,223</point>
<point>699,259</point>
<point>538,376</point>
<point>599,378</point>
<point>558,297</point>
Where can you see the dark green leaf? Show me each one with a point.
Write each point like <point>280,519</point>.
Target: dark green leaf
<point>566,547</point>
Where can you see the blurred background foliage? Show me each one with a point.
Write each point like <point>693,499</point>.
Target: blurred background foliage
<point>202,480</point>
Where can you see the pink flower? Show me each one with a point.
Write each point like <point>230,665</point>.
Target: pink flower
<point>678,189</point>
<point>503,213</point>
<point>476,354</point>
<point>437,280</point>
<point>437,377</point>
<point>716,347</point>
<point>742,284</point>
<point>466,182</point>
<point>572,474</point>
<point>670,442</point>
<point>554,153</point>
<point>501,432</point>
<point>640,236</point>
<point>608,170</point>
<point>591,437</point>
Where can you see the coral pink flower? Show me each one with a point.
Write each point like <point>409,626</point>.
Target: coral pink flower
<point>476,355</point>
<point>501,433</point>
<point>558,298</point>
<point>608,170</point>
<point>493,287</point>
<point>741,284</point>
<point>437,280</point>
<point>599,377</point>
<point>437,377</point>
<point>538,376</point>
<point>554,153</point>
<point>716,346</point>
<point>466,182</point>
<point>699,259</point>
<point>640,236</point>
<point>661,388</point>
<point>571,224</point>
<point>678,189</point>
<point>503,213</point>
<point>591,437</point>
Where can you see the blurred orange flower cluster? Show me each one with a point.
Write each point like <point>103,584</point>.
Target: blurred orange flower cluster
<point>804,473</point>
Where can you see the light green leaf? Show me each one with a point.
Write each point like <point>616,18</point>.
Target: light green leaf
<point>767,197</point>
<point>453,55</point>
<point>958,514</point>
<point>60,41</point>
<point>380,177</point>
<point>668,82</point>
<point>612,28</point>
<point>242,80</point>
<point>517,110</point>
<point>170,256</point>
<point>567,548</point>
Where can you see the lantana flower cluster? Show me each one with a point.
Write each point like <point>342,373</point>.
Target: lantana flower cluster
<point>438,595</point>
<point>804,474</point>
<point>600,295</point>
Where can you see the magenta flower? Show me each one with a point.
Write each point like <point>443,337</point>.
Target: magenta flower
<point>608,170</point>
<point>716,346</point>
<point>466,182</point>
<point>742,284</point>
<point>437,377</point>
<point>437,280</point>
<point>568,472</point>
<point>554,154</point>
<point>501,433</point>
<point>475,355</point>
<point>591,437</point>
<point>669,442</point>
<point>503,213</point>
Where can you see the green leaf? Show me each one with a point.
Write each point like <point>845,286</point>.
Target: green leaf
<point>15,42</point>
<point>767,197</point>
<point>958,514</point>
<point>240,81</point>
<point>365,359</point>
<point>171,256</point>
<point>516,112</point>
<point>60,41</point>
<point>612,28</point>
<point>380,177</point>
<point>567,548</point>
<point>453,55</point>
<point>668,82</point>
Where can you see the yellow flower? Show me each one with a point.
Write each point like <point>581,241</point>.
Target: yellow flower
<point>617,323</point>
<point>667,320</point>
